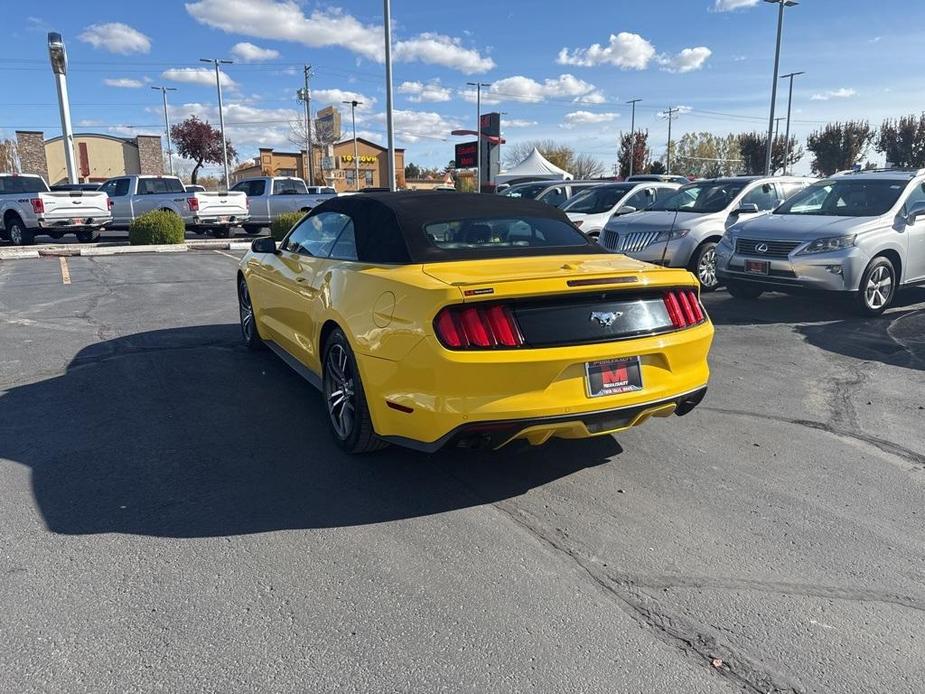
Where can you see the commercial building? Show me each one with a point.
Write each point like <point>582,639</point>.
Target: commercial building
<point>98,156</point>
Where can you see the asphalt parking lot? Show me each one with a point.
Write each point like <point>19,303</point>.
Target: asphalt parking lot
<point>110,236</point>
<point>174,516</point>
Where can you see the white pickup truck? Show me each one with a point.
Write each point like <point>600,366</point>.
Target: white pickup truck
<point>214,212</point>
<point>28,208</point>
<point>268,197</point>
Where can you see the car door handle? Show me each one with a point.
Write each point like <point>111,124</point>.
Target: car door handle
<point>301,279</point>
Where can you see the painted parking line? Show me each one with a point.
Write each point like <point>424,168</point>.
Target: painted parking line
<point>228,255</point>
<point>65,271</point>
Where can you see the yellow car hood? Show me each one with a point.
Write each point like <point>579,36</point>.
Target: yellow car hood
<point>496,270</point>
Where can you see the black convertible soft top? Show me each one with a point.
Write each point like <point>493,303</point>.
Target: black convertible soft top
<point>389,227</point>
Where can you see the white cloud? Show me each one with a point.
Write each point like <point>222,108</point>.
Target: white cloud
<point>285,20</point>
<point>247,52</point>
<point>432,91</point>
<point>625,50</point>
<point>438,49</point>
<point>687,60</point>
<point>730,5</point>
<point>198,75</point>
<point>592,98</point>
<point>246,126</point>
<point>336,97</point>
<point>413,126</point>
<point>578,118</point>
<point>116,37</point>
<point>518,123</point>
<point>123,82</point>
<point>843,93</point>
<point>526,89</point>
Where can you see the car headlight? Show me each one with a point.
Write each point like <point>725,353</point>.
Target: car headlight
<point>672,235</point>
<point>830,243</point>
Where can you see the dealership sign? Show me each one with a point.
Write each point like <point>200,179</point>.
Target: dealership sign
<point>467,154</point>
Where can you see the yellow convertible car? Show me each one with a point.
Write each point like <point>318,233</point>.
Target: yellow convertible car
<point>432,319</point>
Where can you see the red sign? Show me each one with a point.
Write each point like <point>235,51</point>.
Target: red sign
<point>467,155</point>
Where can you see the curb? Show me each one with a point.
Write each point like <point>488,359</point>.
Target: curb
<point>91,250</point>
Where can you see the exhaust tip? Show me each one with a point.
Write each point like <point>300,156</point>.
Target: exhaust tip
<point>689,402</point>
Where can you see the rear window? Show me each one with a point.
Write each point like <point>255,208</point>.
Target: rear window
<point>153,186</point>
<point>22,184</point>
<point>481,237</point>
<point>289,186</point>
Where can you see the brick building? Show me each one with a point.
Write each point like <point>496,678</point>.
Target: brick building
<point>98,156</point>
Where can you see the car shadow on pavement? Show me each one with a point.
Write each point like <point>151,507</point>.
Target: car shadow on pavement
<point>184,433</point>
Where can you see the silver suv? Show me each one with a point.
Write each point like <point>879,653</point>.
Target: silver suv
<point>682,230</point>
<point>860,233</point>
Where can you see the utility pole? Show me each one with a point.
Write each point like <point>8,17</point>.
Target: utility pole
<point>780,28</point>
<point>305,96</point>
<point>221,114</point>
<point>633,134</point>
<point>389,123</point>
<point>670,114</point>
<point>789,76</point>
<point>478,128</point>
<point>776,131</point>
<point>356,152</point>
<point>163,91</point>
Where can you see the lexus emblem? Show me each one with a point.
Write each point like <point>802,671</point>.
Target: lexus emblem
<point>605,318</point>
<point>761,248</point>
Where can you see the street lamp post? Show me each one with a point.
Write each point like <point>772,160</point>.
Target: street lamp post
<point>478,128</point>
<point>163,91</point>
<point>633,134</point>
<point>789,76</point>
<point>356,152</point>
<point>57,54</point>
<point>389,124</point>
<point>221,115</point>
<point>780,27</point>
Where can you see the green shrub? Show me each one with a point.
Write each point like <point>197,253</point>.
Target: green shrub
<point>157,227</point>
<point>282,224</point>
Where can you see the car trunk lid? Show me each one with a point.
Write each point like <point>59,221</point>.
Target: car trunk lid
<point>65,204</point>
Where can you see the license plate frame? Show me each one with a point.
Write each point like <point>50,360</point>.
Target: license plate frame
<point>758,267</point>
<point>613,376</point>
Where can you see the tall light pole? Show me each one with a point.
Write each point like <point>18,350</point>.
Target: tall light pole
<point>780,27</point>
<point>163,91</point>
<point>789,76</point>
<point>389,124</point>
<point>305,96</point>
<point>478,128</point>
<point>58,57</point>
<point>221,112</point>
<point>633,133</point>
<point>356,151</point>
<point>670,114</point>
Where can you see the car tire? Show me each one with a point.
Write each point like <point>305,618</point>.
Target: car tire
<point>249,331</point>
<point>19,234</point>
<point>88,235</point>
<point>877,288</point>
<point>56,235</point>
<point>221,232</point>
<point>252,230</point>
<point>344,398</point>
<point>741,290</point>
<point>703,265</point>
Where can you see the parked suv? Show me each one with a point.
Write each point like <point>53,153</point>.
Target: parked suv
<point>683,229</point>
<point>551,192</point>
<point>861,233</point>
<point>591,209</point>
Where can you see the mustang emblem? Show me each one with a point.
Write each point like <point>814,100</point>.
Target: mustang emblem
<point>605,318</point>
<point>762,248</point>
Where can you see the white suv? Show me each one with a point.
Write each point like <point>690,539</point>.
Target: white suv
<point>590,210</point>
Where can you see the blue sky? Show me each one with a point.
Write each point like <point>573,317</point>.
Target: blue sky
<point>559,70</point>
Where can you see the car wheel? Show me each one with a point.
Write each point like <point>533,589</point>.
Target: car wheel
<point>19,235</point>
<point>252,230</point>
<point>703,264</point>
<point>345,400</point>
<point>221,232</point>
<point>740,290</point>
<point>877,288</point>
<point>248,322</point>
<point>88,235</point>
<point>56,235</point>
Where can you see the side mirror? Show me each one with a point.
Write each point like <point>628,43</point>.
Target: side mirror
<point>747,208</point>
<point>264,245</point>
<point>917,210</point>
<point>626,209</point>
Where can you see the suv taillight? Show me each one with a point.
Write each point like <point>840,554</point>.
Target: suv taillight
<point>683,308</point>
<point>108,203</point>
<point>478,327</point>
<point>193,204</point>
<point>38,205</point>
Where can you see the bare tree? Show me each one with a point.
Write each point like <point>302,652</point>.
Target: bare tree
<point>323,136</point>
<point>9,156</point>
<point>558,154</point>
<point>586,166</point>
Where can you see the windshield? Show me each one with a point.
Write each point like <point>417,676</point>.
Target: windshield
<point>529,191</point>
<point>845,198</point>
<point>488,234</point>
<point>597,200</point>
<point>701,197</point>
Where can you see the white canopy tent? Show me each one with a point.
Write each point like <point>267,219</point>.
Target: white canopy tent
<point>535,167</point>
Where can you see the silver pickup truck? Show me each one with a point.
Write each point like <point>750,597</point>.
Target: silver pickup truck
<point>270,196</point>
<point>214,212</point>
<point>28,208</point>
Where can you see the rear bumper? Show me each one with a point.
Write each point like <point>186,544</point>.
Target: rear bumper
<point>66,223</point>
<point>218,220</point>
<point>440,392</point>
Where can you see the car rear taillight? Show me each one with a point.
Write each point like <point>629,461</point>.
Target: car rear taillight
<point>683,308</point>
<point>193,204</point>
<point>108,203</point>
<point>478,327</point>
<point>38,205</point>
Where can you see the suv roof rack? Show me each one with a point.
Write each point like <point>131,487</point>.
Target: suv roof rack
<point>895,170</point>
